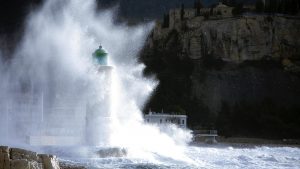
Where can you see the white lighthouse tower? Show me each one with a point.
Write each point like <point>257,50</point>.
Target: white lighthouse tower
<point>98,113</point>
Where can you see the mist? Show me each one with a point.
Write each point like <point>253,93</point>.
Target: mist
<point>52,77</point>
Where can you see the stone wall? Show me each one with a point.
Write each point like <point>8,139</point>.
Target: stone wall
<point>222,11</point>
<point>174,18</point>
<point>16,158</point>
<point>189,13</point>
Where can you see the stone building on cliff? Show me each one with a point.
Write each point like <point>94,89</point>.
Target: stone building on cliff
<point>191,17</point>
<point>222,10</point>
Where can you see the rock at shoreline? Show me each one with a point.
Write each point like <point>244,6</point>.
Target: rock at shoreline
<point>49,161</point>
<point>18,154</point>
<point>4,157</point>
<point>16,158</point>
<point>67,165</point>
<point>112,152</point>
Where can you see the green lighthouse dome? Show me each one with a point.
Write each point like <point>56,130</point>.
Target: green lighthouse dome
<point>100,56</point>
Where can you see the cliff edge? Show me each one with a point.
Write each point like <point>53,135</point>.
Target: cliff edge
<point>237,74</point>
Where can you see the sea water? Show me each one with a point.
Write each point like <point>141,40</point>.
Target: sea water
<point>206,157</point>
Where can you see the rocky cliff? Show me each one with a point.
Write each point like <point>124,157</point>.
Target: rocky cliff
<point>15,158</point>
<point>240,74</point>
<point>238,39</point>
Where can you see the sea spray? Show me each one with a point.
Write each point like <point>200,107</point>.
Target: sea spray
<point>54,62</point>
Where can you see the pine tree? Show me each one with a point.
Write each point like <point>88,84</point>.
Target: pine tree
<point>226,2</point>
<point>198,5</point>
<point>294,9</point>
<point>182,12</point>
<point>166,21</point>
<point>232,3</point>
<point>272,7</point>
<point>259,6</point>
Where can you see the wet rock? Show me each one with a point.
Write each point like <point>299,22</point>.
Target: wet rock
<point>4,149</point>
<point>24,164</point>
<point>49,161</point>
<point>111,152</point>
<point>16,158</point>
<point>17,153</point>
<point>4,157</point>
<point>67,165</point>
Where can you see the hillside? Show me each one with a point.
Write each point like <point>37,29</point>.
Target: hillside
<point>239,75</point>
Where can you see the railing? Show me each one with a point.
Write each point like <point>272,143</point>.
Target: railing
<point>205,132</point>
<point>208,136</point>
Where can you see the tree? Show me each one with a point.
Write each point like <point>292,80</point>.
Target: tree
<point>272,6</point>
<point>294,9</point>
<point>211,11</point>
<point>182,12</point>
<point>259,6</point>
<point>166,21</point>
<point>281,6</point>
<point>206,15</point>
<point>290,7</point>
<point>198,5</point>
<point>238,9</point>
<point>232,3</point>
<point>226,2</point>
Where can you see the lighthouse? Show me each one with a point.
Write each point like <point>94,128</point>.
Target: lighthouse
<point>98,113</point>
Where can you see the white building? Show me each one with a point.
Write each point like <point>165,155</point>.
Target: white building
<point>223,10</point>
<point>162,118</point>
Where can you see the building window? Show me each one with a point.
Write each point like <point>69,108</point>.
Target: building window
<point>160,120</point>
<point>182,121</point>
<point>147,120</point>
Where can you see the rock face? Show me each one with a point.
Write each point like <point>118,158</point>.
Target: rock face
<point>15,158</point>
<point>4,158</point>
<point>238,39</point>
<point>211,67</point>
<point>111,152</point>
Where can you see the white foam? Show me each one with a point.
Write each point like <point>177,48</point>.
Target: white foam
<point>55,57</point>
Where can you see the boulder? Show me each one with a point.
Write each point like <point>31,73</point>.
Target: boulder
<point>17,153</point>
<point>4,157</point>
<point>69,165</point>
<point>24,164</point>
<point>16,158</point>
<point>4,149</point>
<point>49,161</point>
<point>111,152</point>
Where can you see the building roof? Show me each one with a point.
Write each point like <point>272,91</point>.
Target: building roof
<point>221,5</point>
<point>153,114</point>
